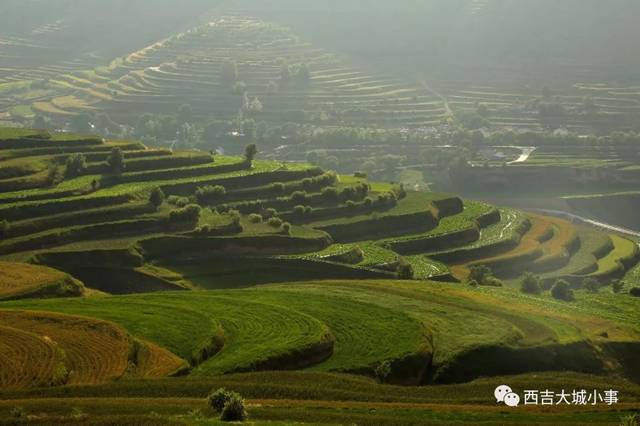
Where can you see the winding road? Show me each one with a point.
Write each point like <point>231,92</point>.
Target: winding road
<point>586,221</point>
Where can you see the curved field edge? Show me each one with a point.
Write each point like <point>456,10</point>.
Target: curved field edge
<point>20,281</point>
<point>463,328</point>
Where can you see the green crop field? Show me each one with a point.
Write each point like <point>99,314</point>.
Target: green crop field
<point>259,275</point>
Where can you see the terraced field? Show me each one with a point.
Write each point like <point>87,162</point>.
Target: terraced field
<point>187,68</point>
<point>515,102</point>
<point>256,266</point>
<point>19,280</point>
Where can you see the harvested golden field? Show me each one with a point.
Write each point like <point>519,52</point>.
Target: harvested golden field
<point>22,280</point>
<point>44,348</point>
<point>27,360</point>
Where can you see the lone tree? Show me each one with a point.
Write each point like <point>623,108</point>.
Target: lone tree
<point>157,197</point>
<point>303,75</point>
<point>405,269</point>
<point>591,285</point>
<point>285,74</point>
<point>229,73</point>
<point>250,153</point>
<point>76,164</point>
<point>562,291</point>
<point>531,284</point>
<point>116,161</point>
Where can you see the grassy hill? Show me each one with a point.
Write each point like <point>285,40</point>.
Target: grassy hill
<point>261,275</point>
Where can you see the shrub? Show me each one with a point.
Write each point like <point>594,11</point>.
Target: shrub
<point>562,291</point>
<point>188,214</point>
<point>631,420</point>
<point>361,175</point>
<point>209,193</point>
<point>250,153</point>
<point>299,197</point>
<point>617,286</point>
<point>299,211</point>
<point>222,208</point>
<point>348,193</point>
<point>479,273</point>
<point>116,161</point>
<point>275,222</point>
<point>472,283</point>
<point>368,202</point>
<point>54,175</point>
<point>591,285</point>
<point>234,409</point>
<point>635,292</point>
<point>18,413</point>
<point>382,371</point>
<point>492,281</point>
<point>255,218</point>
<point>157,197</point>
<point>218,398</point>
<point>404,269</point>
<point>286,228</point>
<point>269,213</point>
<point>175,200</point>
<point>76,164</point>
<point>330,193</point>
<point>351,204</point>
<point>235,217</point>
<point>531,284</point>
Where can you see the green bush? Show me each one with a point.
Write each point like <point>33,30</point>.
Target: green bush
<point>269,213</point>
<point>210,193</point>
<point>286,228</point>
<point>635,292</point>
<point>76,165</point>
<point>299,197</point>
<point>218,399</point>
<point>234,409</point>
<point>156,197</point>
<point>404,269</point>
<point>562,291</point>
<point>531,284</point>
<point>188,214</point>
<point>116,161</point>
<point>255,218</point>
<point>330,193</point>
<point>472,283</point>
<point>617,286</point>
<point>250,153</point>
<point>591,285</point>
<point>479,273</point>
<point>382,371</point>
<point>299,211</point>
<point>18,413</point>
<point>275,222</point>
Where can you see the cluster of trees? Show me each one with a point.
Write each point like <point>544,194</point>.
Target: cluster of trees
<point>563,290</point>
